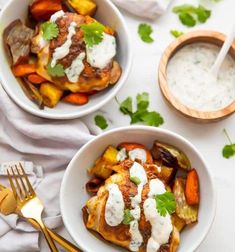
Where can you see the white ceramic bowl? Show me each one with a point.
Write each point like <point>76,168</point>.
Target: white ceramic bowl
<point>73,194</point>
<point>108,14</point>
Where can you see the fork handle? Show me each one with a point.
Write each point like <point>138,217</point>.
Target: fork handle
<point>48,238</point>
<point>59,239</point>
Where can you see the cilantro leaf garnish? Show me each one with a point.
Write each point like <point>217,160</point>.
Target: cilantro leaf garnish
<point>128,218</point>
<point>93,33</point>
<point>190,14</point>
<point>229,149</point>
<point>50,30</point>
<point>176,33</point>
<point>101,122</point>
<point>145,32</point>
<point>135,180</point>
<point>151,118</point>
<point>142,101</point>
<point>126,106</point>
<point>165,203</point>
<point>56,71</point>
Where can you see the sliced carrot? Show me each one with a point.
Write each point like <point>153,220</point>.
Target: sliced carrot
<point>192,188</point>
<point>23,69</point>
<point>43,9</point>
<point>76,98</point>
<point>36,79</point>
<point>132,146</point>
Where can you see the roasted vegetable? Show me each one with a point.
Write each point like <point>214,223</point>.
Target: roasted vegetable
<point>93,185</point>
<point>43,9</point>
<point>83,7</point>
<point>170,156</point>
<point>36,79</point>
<point>177,222</point>
<point>51,94</point>
<point>76,98</point>
<point>115,73</point>
<point>23,69</point>
<point>17,38</point>
<point>192,188</point>
<point>132,146</point>
<point>175,240</point>
<point>32,92</point>
<point>166,174</point>
<point>103,166</point>
<point>186,212</point>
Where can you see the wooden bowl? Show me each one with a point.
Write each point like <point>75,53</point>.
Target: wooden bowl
<point>211,37</point>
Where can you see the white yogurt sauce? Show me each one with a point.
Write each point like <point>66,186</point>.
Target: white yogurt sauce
<point>114,209</point>
<point>122,155</point>
<point>187,76</point>
<point>138,153</point>
<point>138,171</point>
<point>161,226</point>
<point>62,51</point>
<point>57,15</point>
<point>73,72</point>
<point>100,55</point>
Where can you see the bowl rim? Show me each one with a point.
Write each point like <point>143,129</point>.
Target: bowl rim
<point>77,114</point>
<point>173,47</point>
<point>204,232</point>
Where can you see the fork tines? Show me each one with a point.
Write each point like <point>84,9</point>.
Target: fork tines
<point>17,174</point>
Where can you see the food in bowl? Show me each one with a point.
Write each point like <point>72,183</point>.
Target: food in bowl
<point>143,198</point>
<point>62,53</point>
<point>187,77</point>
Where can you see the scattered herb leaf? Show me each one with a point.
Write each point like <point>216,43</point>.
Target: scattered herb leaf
<point>93,33</point>
<point>229,149</point>
<point>142,114</point>
<point>152,119</point>
<point>135,180</point>
<point>49,30</point>
<point>126,106</point>
<point>101,122</point>
<point>190,14</point>
<point>165,203</point>
<point>176,33</point>
<point>56,71</point>
<point>145,31</point>
<point>127,217</point>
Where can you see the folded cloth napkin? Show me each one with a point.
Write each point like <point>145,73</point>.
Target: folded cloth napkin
<point>144,8</point>
<point>50,144</point>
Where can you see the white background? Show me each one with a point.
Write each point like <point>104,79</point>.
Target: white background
<point>208,138</point>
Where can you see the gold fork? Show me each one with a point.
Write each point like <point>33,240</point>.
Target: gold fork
<point>59,239</point>
<point>28,203</point>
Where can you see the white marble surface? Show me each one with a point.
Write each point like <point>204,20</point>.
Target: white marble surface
<point>208,138</point>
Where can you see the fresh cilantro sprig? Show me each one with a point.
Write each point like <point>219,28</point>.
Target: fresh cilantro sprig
<point>56,71</point>
<point>190,14</point>
<point>145,31</point>
<point>93,33</point>
<point>101,122</point>
<point>165,203</point>
<point>135,180</point>
<point>50,30</point>
<point>176,33</point>
<point>127,217</point>
<point>229,149</point>
<point>151,118</point>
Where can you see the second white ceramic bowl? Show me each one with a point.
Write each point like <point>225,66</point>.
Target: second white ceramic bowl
<point>108,14</point>
<point>73,194</point>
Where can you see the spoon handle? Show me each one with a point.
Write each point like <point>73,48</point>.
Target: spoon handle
<point>223,52</point>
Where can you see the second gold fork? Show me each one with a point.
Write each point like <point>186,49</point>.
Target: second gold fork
<point>28,203</point>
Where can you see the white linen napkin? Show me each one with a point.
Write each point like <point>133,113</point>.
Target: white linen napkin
<point>150,9</point>
<point>50,144</point>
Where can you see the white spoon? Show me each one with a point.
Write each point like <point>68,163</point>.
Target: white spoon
<point>222,54</point>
